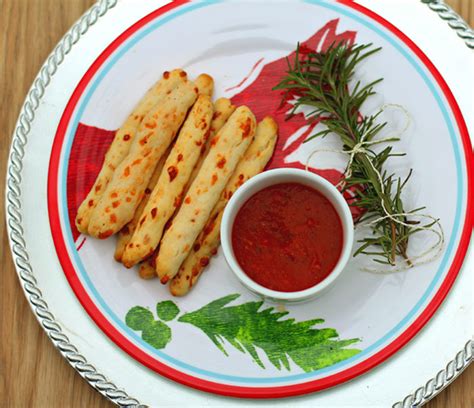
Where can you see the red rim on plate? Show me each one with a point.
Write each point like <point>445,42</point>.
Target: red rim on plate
<point>242,391</point>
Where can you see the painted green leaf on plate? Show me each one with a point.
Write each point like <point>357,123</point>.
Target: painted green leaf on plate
<point>167,310</point>
<point>138,318</point>
<point>247,328</point>
<point>157,334</point>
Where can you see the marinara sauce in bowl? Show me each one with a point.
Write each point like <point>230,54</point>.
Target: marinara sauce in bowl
<point>287,234</point>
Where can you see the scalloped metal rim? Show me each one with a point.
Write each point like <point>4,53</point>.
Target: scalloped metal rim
<point>20,255</point>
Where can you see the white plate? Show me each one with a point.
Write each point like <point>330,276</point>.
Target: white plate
<point>383,312</point>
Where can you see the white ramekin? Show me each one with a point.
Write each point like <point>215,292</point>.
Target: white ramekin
<point>267,179</point>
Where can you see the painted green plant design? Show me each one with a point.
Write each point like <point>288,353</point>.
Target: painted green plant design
<point>154,332</point>
<point>249,328</point>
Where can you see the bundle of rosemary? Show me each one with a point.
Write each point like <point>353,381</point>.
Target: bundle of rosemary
<point>325,83</point>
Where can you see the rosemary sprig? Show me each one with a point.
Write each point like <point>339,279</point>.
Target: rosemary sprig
<point>325,82</point>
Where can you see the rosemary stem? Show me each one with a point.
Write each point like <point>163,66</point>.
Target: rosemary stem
<point>394,237</point>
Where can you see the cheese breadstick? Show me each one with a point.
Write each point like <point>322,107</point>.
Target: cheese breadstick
<point>205,246</point>
<point>227,149</point>
<point>146,270</point>
<point>126,232</point>
<point>254,161</point>
<point>121,144</point>
<point>125,191</point>
<point>223,108</point>
<point>205,84</point>
<point>167,194</point>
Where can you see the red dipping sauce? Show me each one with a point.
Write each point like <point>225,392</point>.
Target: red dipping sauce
<point>287,237</point>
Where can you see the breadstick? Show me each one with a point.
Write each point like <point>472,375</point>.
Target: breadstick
<point>205,246</point>
<point>125,191</point>
<point>254,161</point>
<point>146,270</point>
<point>205,84</point>
<point>223,108</point>
<point>126,232</point>
<point>167,194</point>
<point>227,149</point>
<point>121,144</point>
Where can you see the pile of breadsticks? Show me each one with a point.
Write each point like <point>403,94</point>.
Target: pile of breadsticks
<point>168,175</point>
